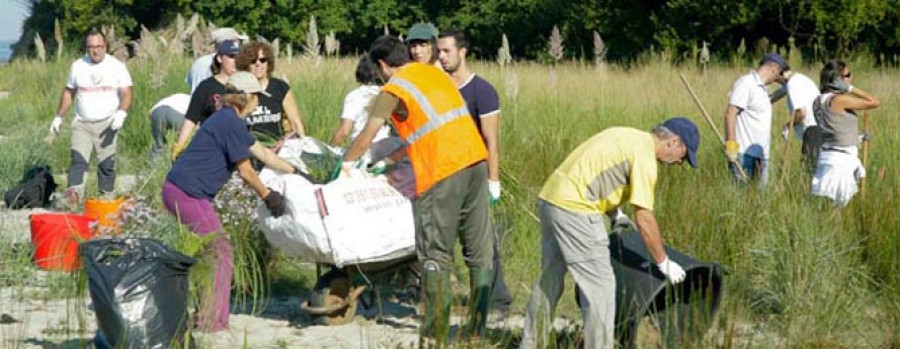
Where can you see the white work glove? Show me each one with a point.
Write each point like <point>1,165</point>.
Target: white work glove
<point>494,189</point>
<point>54,126</point>
<point>380,166</point>
<point>350,169</point>
<point>118,119</point>
<point>785,132</point>
<point>673,272</point>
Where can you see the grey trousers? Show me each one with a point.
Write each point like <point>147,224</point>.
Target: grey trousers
<point>579,244</point>
<point>456,206</point>
<point>162,119</point>
<point>87,137</point>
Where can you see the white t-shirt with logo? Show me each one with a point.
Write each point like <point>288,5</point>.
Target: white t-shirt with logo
<point>753,128</point>
<point>356,105</point>
<point>97,87</point>
<point>801,91</point>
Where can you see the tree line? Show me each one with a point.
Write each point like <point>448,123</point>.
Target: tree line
<point>629,28</point>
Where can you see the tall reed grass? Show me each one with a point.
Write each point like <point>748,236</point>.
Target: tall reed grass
<point>801,272</point>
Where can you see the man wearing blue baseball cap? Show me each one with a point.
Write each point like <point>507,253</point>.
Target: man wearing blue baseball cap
<point>614,167</point>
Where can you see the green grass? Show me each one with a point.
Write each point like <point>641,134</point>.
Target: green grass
<point>801,272</point>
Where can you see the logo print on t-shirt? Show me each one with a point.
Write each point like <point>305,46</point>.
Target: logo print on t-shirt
<point>263,115</point>
<point>96,78</point>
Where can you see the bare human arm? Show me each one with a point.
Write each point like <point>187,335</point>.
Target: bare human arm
<point>125,96</point>
<point>268,157</point>
<point>289,104</point>
<point>65,101</point>
<point>646,223</point>
<point>799,115</point>
<point>796,118</point>
<point>248,174</point>
<point>854,100</point>
<point>490,129</point>
<point>187,128</point>
<point>341,133</point>
<point>202,95</point>
<point>730,121</point>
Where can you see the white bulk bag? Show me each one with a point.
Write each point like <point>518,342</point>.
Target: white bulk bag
<point>299,232</point>
<point>347,221</point>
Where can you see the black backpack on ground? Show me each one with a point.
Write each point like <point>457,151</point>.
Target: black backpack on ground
<point>33,190</point>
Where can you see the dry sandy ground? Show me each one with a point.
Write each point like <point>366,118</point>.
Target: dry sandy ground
<point>29,320</point>
<point>39,323</point>
<point>43,324</point>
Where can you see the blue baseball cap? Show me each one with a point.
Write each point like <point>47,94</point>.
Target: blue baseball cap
<point>687,131</point>
<point>772,57</point>
<point>229,47</point>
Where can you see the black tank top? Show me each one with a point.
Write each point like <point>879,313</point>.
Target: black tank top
<point>265,121</point>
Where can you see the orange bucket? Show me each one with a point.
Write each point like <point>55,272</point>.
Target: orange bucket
<point>106,212</point>
<point>56,237</point>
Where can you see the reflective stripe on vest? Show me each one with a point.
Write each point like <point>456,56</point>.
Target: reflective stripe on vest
<point>434,121</point>
<point>441,138</point>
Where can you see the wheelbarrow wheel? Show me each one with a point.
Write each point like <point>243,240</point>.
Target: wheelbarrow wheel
<point>334,299</point>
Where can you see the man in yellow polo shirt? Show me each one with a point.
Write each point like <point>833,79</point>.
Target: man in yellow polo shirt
<point>614,167</point>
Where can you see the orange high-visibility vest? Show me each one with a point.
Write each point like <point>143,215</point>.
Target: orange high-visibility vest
<point>440,135</point>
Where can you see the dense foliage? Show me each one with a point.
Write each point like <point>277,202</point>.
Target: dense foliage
<point>629,28</point>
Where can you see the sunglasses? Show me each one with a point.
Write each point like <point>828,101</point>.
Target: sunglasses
<point>231,55</point>
<point>848,75</point>
<point>261,60</point>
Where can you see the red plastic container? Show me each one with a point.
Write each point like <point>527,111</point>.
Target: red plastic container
<point>56,237</point>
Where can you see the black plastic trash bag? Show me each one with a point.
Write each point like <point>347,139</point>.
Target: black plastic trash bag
<point>33,190</point>
<point>139,290</point>
<point>681,314</point>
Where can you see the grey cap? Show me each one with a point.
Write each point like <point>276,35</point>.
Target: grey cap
<point>222,34</point>
<point>245,82</point>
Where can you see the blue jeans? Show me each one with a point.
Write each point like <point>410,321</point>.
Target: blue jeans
<point>754,167</point>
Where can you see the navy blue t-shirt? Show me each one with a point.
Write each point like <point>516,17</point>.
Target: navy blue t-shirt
<point>207,163</point>
<point>481,99</point>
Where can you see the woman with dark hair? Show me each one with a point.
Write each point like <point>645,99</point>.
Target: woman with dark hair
<point>207,98</point>
<point>355,112</point>
<point>268,119</point>
<point>838,169</point>
<point>221,146</point>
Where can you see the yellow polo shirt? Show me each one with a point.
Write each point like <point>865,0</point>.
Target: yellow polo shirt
<point>615,166</point>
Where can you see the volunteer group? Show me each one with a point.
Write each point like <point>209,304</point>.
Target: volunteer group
<point>434,124</point>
